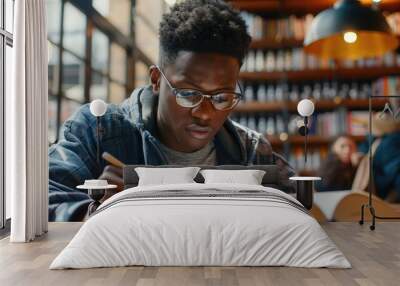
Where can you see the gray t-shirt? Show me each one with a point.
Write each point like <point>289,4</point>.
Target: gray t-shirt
<point>204,156</point>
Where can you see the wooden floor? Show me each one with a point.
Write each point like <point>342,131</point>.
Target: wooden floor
<point>375,256</point>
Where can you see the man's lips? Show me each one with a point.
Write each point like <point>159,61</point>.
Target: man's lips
<point>199,132</point>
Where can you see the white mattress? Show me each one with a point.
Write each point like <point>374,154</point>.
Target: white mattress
<point>207,230</point>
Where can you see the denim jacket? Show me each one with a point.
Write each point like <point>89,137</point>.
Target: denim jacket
<point>127,132</point>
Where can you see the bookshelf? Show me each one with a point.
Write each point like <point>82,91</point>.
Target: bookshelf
<point>264,44</point>
<point>320,105</point>
<point>277,74</point>
<point>321,74</point>
<point>272,43</point>
<point>313,140</point>
<point>277,7</point>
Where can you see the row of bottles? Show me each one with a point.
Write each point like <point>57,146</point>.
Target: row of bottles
<point>296,60</point>
<point>314,159</point>
<point>326,90</point>
<point>326,124</point>
<point>270,125</point>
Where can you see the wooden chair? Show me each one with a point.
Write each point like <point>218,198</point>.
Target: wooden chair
<point>318,214</point>
<point>349,208</point>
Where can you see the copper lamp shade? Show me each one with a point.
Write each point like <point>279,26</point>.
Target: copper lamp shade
<point>371,35</point>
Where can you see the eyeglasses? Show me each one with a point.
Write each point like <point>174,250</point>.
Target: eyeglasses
<point>190,98</point>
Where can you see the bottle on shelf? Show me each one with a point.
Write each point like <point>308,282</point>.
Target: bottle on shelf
<point>262,125</point>
<point>316,92</point>
<point>261,93</point>
<point>271,93</point>
<point>250,62</point>
<point>294,94</point>
<point>271,130</point>
<point>280,61</point>
<point>251,122</point>
<point>259,61</point>
<point>248,93</point>
<point>270,64</point>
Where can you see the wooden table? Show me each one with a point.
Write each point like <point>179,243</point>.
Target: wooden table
<point>375,257</point>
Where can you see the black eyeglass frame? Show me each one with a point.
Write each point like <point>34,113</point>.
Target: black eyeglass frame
<point>176,91</point>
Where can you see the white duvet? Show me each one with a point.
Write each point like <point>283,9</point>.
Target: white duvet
<point>185,230</point>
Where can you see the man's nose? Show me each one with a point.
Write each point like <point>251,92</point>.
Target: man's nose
<point>204,111</point>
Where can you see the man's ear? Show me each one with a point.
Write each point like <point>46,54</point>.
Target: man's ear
<point>155,78</point>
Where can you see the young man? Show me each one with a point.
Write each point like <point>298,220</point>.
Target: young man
<point>181,118</point>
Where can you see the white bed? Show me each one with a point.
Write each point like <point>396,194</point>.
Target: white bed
<point>224,225</point>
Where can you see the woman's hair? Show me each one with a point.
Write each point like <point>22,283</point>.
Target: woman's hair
<point>335,174</point>
<point>337,137</point>
<point>208,26</point>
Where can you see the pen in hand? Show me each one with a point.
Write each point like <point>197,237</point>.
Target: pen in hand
<point>112,160</point>
<point>112,173</point>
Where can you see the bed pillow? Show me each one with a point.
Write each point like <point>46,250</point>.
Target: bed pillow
<point>162,176</point>
<point>248,177</point>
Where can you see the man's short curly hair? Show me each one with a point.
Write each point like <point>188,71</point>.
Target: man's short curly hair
<point>208,26</point>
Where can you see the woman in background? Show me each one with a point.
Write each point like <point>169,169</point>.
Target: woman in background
<point>338,169</point>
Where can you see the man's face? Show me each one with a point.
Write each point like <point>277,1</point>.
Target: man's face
<point>189,129</point>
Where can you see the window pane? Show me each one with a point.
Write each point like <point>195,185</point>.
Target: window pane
<point>147,38</point>
<point>52,114</point>
<point>117,93</point>
<point>141,74</point>
<point>100,51</point>
<point>118,63</point>
<point>68,107</point>
<point>9,71</point>
<point>9,14</point>
<point>53,68</point>
<point>73,77</point>
<point>74,30</point>
<point>117,12</point>
<point>99,87</point>
<point>53,20</point>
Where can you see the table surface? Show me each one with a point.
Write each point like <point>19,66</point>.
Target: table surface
<point>374,255</point>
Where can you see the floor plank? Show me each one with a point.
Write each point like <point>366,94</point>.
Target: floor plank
<point>374,255</point>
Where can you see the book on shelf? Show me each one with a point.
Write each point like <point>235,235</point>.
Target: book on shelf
<point>387,86</point>
<point>357,122</point>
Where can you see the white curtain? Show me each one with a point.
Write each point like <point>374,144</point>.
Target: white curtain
<point>26,123</point>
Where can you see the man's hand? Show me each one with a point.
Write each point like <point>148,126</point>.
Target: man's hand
<point>113,175</point>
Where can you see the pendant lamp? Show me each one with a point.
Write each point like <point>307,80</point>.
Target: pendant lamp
<point>349,30</point>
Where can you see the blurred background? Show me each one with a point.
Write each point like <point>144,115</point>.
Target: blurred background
<point>103,48</point>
